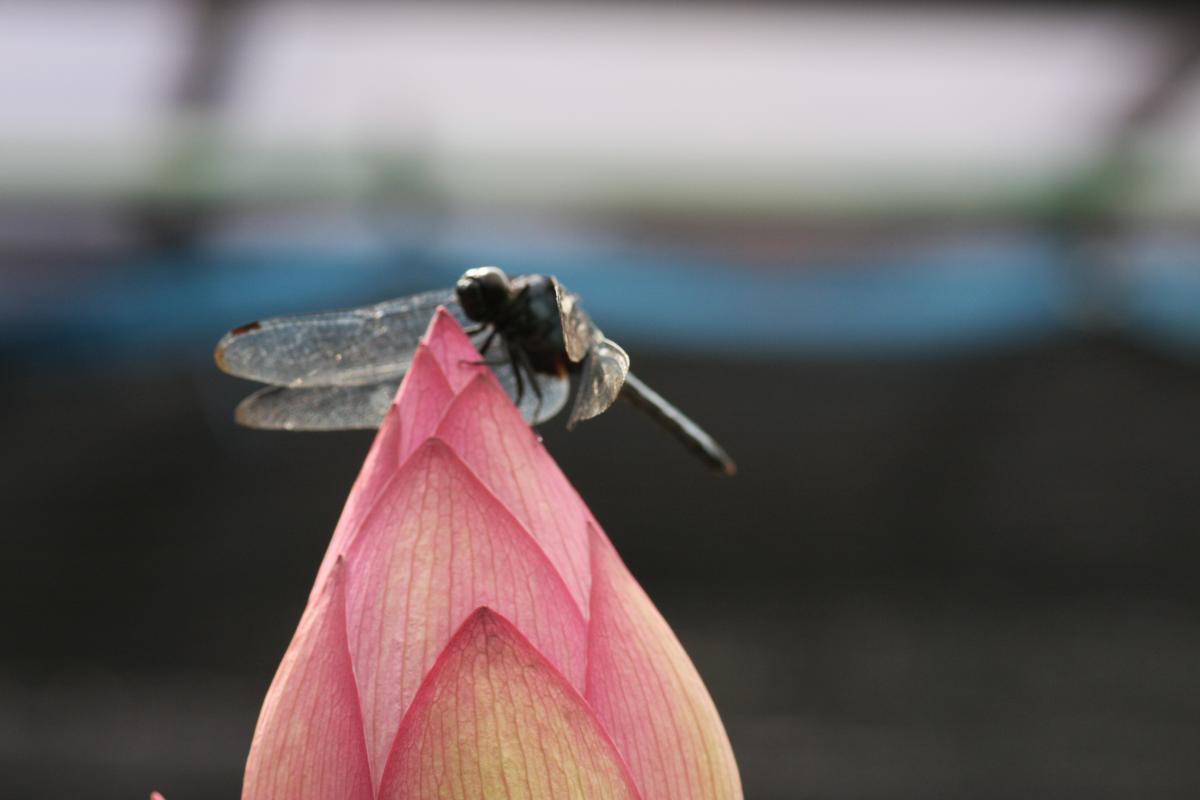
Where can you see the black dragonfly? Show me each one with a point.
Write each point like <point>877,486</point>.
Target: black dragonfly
<point>339,370</point>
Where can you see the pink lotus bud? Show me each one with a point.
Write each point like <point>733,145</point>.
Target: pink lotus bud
<point>473,633</point>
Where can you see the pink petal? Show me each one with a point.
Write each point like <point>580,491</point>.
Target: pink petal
<point>437,546</point>
<point>156,796</point>
<point>647,694</point>
<point>414,414</point>
<point>421,401</point>
<point>453,351</point>
<point>495,721</point>
<point>486,430</point>
<point>309,740</point>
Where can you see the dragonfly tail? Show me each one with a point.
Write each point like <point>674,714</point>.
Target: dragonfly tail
<point>677,424</point>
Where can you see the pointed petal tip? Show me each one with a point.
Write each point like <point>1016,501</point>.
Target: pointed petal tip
<point>423,354</point>
<point>452,349</point>
<point>156,796</point>
<point>433,447</point>
<point>486,622</point>
<point>442,324</point>
<point>483,392</point>
<point>491,624</point>
<point>495,719</point>
<point>443,317</point>
<point>421,402</point>
<point>484,615</point>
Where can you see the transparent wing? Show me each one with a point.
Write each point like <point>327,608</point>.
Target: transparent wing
<point>579,332</point>
<point>333,408</point>
<point>356,346</point>
<point>318,408</point>
<point>600,381</point>
<point>555,390</point>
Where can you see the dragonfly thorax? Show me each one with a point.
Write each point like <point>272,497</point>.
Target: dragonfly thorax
<point>522,310</point>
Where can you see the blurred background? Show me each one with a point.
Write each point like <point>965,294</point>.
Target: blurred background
<point>931,273</point>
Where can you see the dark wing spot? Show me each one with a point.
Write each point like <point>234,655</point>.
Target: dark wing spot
<point>249,326</point>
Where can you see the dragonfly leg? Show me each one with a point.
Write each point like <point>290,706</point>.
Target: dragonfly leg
<point>514,361</point>
<point>537,392</point>
<point>484,362</point>
<point>487,342</point>
<point>527,365</point>
<point>476,329</point>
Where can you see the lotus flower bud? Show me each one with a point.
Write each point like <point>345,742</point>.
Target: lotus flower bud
<point>473,634</point>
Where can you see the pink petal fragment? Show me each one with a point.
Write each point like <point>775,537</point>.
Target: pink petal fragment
<point>495,721</point>
<point>309,740</point>
<point>437,546</point>
<point>647,693</point>
<point>453,351</point>
<point>419,405</point>
<point>156,796</point>
<point>422,400</point>
<point>486,430</point>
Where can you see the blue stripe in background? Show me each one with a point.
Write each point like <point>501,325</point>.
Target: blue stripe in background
<point>950,297</point>
<point>1163,293</point>
<point>985,293</point>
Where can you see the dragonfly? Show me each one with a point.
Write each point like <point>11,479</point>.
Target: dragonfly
<point>340,370</point>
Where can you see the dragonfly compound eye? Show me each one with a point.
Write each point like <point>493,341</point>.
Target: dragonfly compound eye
<point>482,292</point>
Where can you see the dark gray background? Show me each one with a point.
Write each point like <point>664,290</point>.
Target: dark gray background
<point>967,576</point>
<point>960,558</point>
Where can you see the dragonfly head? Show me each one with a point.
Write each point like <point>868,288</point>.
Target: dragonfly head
<point>483,292</point>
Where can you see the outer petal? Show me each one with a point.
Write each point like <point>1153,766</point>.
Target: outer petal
<point>453,351</point>
<point>419,405</point>
<point>495,721</point>
<point>648,695</point>
<point>437,546</point>
<point>421,401</point>
<point>309,739</point>
<point>487,431</point>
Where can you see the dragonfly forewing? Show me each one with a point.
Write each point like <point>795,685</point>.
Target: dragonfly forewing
<point>353,347</point>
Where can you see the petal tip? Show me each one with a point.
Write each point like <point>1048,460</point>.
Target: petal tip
<point>433,449</point>
<point>452,349</point>
<point>531,733</point>
<point>444,317</point>
<point>491,624</point>
<point>422,357</point>
<point>482,393</point>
